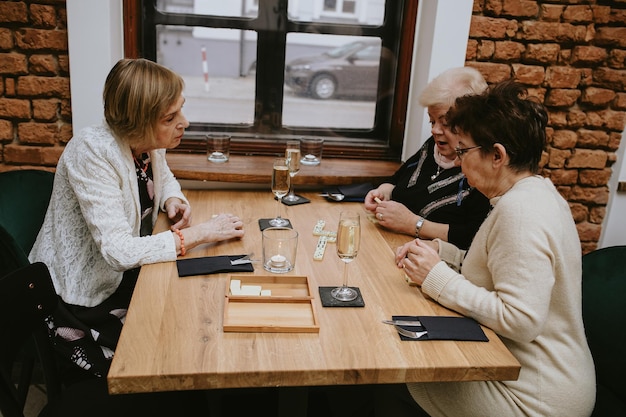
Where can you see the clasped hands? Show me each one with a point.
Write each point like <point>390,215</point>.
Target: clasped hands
<point>417,258</point>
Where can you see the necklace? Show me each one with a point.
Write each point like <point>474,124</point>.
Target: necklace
<point>442,162</point>
<point>436,174</point>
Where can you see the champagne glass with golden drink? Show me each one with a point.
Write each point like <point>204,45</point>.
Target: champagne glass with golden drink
<point>280,188</point>
<point>348,242</point>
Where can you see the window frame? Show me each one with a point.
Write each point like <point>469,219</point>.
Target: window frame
<point>353,144</point>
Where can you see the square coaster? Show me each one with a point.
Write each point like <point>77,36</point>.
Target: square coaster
<point>264,224</point>
<point>301,200</point>
<point>329,301</point>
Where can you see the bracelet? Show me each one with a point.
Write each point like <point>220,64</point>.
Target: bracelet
<point>418,226</point>
<point>183,251</point>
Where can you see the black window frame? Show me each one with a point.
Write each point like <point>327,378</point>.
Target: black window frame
<point>267,133</point>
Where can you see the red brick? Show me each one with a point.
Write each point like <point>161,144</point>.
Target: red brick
<point>519,8</point>
<point>579,212</point>
<point>12,108</point>
<point>508,51</point>
<point>587,55</point>
<point>614,141</point>
<point>601,14</point>
<point>594,177</point>
<point>539,93</point>
<point>45,110</point>
<point>33,86</point>
<point>43,16</point>
<point>564,139</point>
<point>610,78</point>
<point>40,39</point>
<point>611,36</point>
<point>617,16</point>
<point>562,77</point>
<point>561,97</point>
<point>485,50</point>
<point>64,65</point>
<point>6,39</point>
<point>588,232</point>
<point>9,87</point>
<point>13,12</point>
<point>597,214</point>
<point>13,64</point>
<point>617,59</point>
<point>488,27</point>
<point>587,158</point>
<point>43,65</point>
<point>32,133</point>
<point>593,195</point>
<point>597,97</point>
<point>564,176</point>
<point>556,32</point>
<point>608,119</point>
<point>542,53</point>
<point>592,138</point>
<point>528,74</point>
<point>557,157</point>
<point>6,130</point>
<point>578,14</point>
<point>493,73</point>
<point>551,12</point>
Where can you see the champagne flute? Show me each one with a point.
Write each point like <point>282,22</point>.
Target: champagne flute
<point>280,187</point>
<point>292,153</point>
<point>348,241</point>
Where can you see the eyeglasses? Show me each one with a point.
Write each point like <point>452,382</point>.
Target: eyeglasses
<point>462,151</point>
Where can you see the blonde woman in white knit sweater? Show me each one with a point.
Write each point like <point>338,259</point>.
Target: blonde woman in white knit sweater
<point>520,277</point>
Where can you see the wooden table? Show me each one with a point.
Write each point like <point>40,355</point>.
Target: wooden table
<point>173,338</point>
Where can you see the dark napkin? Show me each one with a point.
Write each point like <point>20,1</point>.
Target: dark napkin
<point>265,223</point>
<point>445,328</point>
<point>210,265</point>
<point>329,301</point>
<point>352,192</point>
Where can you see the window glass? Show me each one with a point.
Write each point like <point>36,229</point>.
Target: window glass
<point>218,67</point>
<point>267,70</point>
<point>240,8</point>
<point>331,81</point>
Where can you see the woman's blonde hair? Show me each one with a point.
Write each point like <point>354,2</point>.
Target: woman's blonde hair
<point>137,92</point>
<point>451,84</point>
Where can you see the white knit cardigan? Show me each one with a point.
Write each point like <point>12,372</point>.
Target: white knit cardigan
<point>90,234</point>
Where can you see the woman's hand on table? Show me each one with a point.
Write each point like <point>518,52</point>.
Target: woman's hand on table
<point>224,226</point>
<point>417,258</point>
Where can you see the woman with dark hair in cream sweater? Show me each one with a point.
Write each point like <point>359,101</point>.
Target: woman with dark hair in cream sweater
<point>522,274</point>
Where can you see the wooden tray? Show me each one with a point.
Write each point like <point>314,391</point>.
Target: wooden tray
<point>289,308</point>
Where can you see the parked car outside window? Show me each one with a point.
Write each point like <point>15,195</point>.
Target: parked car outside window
<point>348,71</point>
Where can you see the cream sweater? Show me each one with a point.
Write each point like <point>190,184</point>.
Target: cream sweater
<point>90,234</point>
<point>521,277</point>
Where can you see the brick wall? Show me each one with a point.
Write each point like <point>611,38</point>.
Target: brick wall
<point>571,53</point>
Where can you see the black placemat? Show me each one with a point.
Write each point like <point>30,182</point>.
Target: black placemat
<point>264,224</point>
<point>445,328</point>
<point>210,265</point>
<point>329,301</point>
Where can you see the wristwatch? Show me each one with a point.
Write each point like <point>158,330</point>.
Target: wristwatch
<point>418,226</point>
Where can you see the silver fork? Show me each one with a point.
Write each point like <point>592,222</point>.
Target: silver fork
<point>409,333</point>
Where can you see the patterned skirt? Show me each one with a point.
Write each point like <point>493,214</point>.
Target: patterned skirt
<point>85,338</point>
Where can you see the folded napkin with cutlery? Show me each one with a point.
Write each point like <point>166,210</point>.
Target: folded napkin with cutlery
<point>212,265</point>
<point>352,192</point>
<point>444,328</point>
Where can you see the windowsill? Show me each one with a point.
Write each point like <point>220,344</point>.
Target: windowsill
<point>258,170</point>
